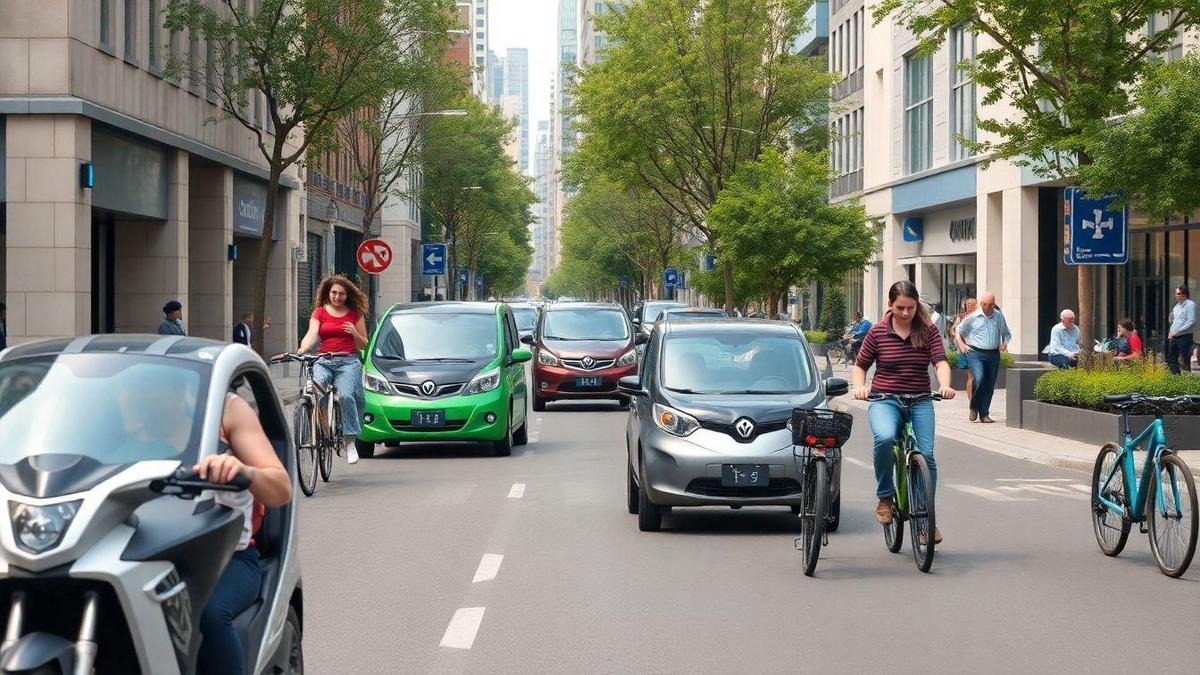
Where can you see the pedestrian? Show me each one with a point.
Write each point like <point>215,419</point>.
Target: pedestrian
<point>242,331</point>
<point>172,323</point>
<point>939,322</point>
<point>337,324</point>
<point>1179,337</point>
<point>982,336</point>
<point>1064,342</point>
<point>968,307</point>
<point>1129,343</point>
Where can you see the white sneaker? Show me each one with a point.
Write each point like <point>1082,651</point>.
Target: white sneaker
<point>351,454</point>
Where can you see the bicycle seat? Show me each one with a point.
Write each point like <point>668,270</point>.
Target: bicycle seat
<point>1116,399</point>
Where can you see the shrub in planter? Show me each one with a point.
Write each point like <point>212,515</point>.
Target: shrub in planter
<point>816,337</point>
<point>1006,359</point>
<point>1087,387</point>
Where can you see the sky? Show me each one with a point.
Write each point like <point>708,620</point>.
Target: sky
<point>532,24</point>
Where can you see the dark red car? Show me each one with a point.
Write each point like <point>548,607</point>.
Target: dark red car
<point>580,350</point>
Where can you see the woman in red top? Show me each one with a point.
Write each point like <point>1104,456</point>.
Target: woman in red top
<point>1129,343</point>
<point>337,323</point>
<point>901,347</point>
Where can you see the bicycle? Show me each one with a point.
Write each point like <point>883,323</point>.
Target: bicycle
<point>1117,503</point>
<point>818,435</point>
<point>318,435</point>
<point>912,503</point>
<point>842,352</point>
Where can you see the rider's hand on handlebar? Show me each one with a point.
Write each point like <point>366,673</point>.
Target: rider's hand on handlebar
<point>946,392</point>
<point>222,468</point>
<point>862,393</point>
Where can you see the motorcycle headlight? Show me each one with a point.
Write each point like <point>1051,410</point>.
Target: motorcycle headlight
<point>628,358</point>
<point>377,384</point>
<point>40,528</point>
<point>674,422</point>
<point>483,382</point>
<point>546,358</point>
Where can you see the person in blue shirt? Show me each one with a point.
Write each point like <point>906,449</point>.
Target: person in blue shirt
<point>856,333</point>
<point>1179,336</point>
<point>1064,342</point>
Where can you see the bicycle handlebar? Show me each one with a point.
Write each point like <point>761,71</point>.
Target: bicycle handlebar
<point>906,398</point>
<point>302,358</point>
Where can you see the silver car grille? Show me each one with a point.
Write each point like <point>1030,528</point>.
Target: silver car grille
<point>597,364</point>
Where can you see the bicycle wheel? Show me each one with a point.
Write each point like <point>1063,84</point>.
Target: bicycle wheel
<point>327,448</point>
<point>837,354</point>
<point>814,513</point>
<point>893,532</point>
<point>1111,528</point>
<point>921,520</point>
<point>1173,523</point>
<point>306,447</point>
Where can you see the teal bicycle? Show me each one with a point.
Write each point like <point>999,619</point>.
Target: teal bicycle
<point>913,503</point>
<point>1164,495</point>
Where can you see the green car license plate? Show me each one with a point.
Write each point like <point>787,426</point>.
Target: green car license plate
<point>594,382</point>
<point>428,418</point>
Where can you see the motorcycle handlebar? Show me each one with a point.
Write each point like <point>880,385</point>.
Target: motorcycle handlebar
<point>187,484</point>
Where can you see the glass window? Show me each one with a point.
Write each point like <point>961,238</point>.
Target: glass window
<point>585,324</point>
<point>962,92</point>
<point>918,113</point>
<point>106,24</point>
<point>438,337</point>
<point>1193,261</point>
<point>723,363</point>
<point>130,29</point>
<point>152,34</point>
<point>855,37</point>
<point>526,317</point>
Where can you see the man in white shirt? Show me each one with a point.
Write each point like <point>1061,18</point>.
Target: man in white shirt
<point>1064,342</point>
<point>1179,336</point>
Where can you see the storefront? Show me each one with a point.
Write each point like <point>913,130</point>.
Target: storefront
<point>937,253</point>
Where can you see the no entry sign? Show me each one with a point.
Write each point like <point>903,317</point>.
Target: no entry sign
<point>374,256</point>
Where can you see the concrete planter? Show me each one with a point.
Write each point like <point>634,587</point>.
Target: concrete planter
<point>819,350</point>
<point>1098,428</point>
<point>958,379</point>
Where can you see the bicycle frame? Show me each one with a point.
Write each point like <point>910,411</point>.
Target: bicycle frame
<point>900,450</point>
<point>314,392</point>
<point>1138,487</point>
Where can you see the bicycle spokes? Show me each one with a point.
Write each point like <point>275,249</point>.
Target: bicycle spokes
<point>1172,515</point>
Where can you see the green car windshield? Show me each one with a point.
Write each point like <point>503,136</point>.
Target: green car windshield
<point>437,336</point>
<point>112,408</point>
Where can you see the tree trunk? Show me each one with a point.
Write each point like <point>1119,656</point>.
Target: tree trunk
<point>451,270</point>
<point>727,274</point>
<point>264,249</point>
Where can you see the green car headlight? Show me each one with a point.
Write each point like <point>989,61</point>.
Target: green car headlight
<point>377,384</point>
<point>483,382</point>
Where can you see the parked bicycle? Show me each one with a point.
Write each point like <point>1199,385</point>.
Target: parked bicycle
<point>818,435</point>
<point>914,497</point>
<point>316,424</point>
<point>842,352</point>
<point>1164,494</point>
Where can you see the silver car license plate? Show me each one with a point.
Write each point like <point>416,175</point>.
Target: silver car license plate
<point>745,475</point>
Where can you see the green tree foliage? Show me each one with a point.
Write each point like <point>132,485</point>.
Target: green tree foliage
<point>1150,156</point>
<point>833,311</point>
<point>314,61</point>
<point>1065,67</point>
<point>776,223</point>
<point>494,241</point>
<point>689,90</point>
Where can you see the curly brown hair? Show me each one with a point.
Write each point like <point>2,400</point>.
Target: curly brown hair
<point>355,298</point>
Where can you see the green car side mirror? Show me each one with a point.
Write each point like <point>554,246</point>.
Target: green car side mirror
<point>521,355</point>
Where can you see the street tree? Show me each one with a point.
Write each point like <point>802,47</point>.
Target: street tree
<point>313,61</point>
<point>494,233</point>
<point>775,222</point>
<point>690,89</point>
<point>1064,68</point>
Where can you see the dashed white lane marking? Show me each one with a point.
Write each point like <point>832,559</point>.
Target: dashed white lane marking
<point>539,420</point>
<point>859,463</point>
<point>489,567</point>
<point>517,491</point>
<point>986,493</point>
<point>1034,480</point>
<point>460,634</point>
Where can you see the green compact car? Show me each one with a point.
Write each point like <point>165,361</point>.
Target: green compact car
<point>446,371</point>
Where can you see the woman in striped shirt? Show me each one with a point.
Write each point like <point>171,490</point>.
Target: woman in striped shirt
<point>901,347</point>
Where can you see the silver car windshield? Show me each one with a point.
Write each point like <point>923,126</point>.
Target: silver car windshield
<point>653,310</point>
<point>113,408</point>
<point>438,337</point>
<point>735,364</point>
<point>585,324</point>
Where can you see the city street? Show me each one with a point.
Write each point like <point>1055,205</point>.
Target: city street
<point>419,547</point>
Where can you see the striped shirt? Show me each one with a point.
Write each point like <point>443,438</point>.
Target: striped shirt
<point>900,368</point>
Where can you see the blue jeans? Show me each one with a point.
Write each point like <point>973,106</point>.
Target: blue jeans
<point>237,589</point>
<point>985,368</point>
<point>887,421</point>
<point>345,372</point>
<point>1062,362</point>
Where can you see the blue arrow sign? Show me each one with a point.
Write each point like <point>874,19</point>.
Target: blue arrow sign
<point>1093,234</point>
<point>433,259</point>
<point>479,281</point>
<point>462,276</point>
<point>671,278</point>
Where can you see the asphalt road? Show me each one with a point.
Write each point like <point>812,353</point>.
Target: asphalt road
<point>403,572</point>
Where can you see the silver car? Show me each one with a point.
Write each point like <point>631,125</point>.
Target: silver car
<point>709,422</point>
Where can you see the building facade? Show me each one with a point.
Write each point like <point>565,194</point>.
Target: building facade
<point>116,195</point>
<point>516,84</point>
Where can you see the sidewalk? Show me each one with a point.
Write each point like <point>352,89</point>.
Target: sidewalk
<point>287,381</point>
<point>953,424</point>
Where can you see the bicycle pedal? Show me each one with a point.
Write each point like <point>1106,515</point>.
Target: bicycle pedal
<point>824,538</point>
<point>1143,529</point>
<point>798,542</point>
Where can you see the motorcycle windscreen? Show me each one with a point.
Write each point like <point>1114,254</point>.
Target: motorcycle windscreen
<point>69,421</point>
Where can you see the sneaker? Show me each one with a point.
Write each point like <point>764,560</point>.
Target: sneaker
<point>987,420</point>
<point>974,415</point>
<point>351,454</point>
<point>883,511</point>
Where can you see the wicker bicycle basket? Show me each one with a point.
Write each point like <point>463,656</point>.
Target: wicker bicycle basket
<point>821,427</point>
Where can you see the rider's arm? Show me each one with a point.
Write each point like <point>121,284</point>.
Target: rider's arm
<point>937,357</point>
<point>311,337</point>
<point>252,456</point>
<point>360,334</point>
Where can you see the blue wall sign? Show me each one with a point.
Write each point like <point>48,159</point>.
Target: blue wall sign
<point>433,259</point>
<point>1093,234</point>
<point>914,229</point>
<point>462,276</point>
<point>672,278</point>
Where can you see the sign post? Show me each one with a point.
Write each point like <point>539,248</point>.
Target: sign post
<point>1092,233</point>
<point>374,256</point>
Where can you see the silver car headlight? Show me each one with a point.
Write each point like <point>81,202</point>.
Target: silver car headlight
<point>674,422</point>
<point>546,358</point>
<point>40,528</point>
<point>377,384</point>
<point>628,358</point>
<point>483,382</point>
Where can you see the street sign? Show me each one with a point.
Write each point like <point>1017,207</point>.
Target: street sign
<point>710,263</point>
<point>913,229</point>
<point>462,276</point>
<point>374,256</point>
<point>433,259</point>
<point>1093,234</point>
<point>672,278</point>
<point>479,281</point>
<point>624,281</point>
